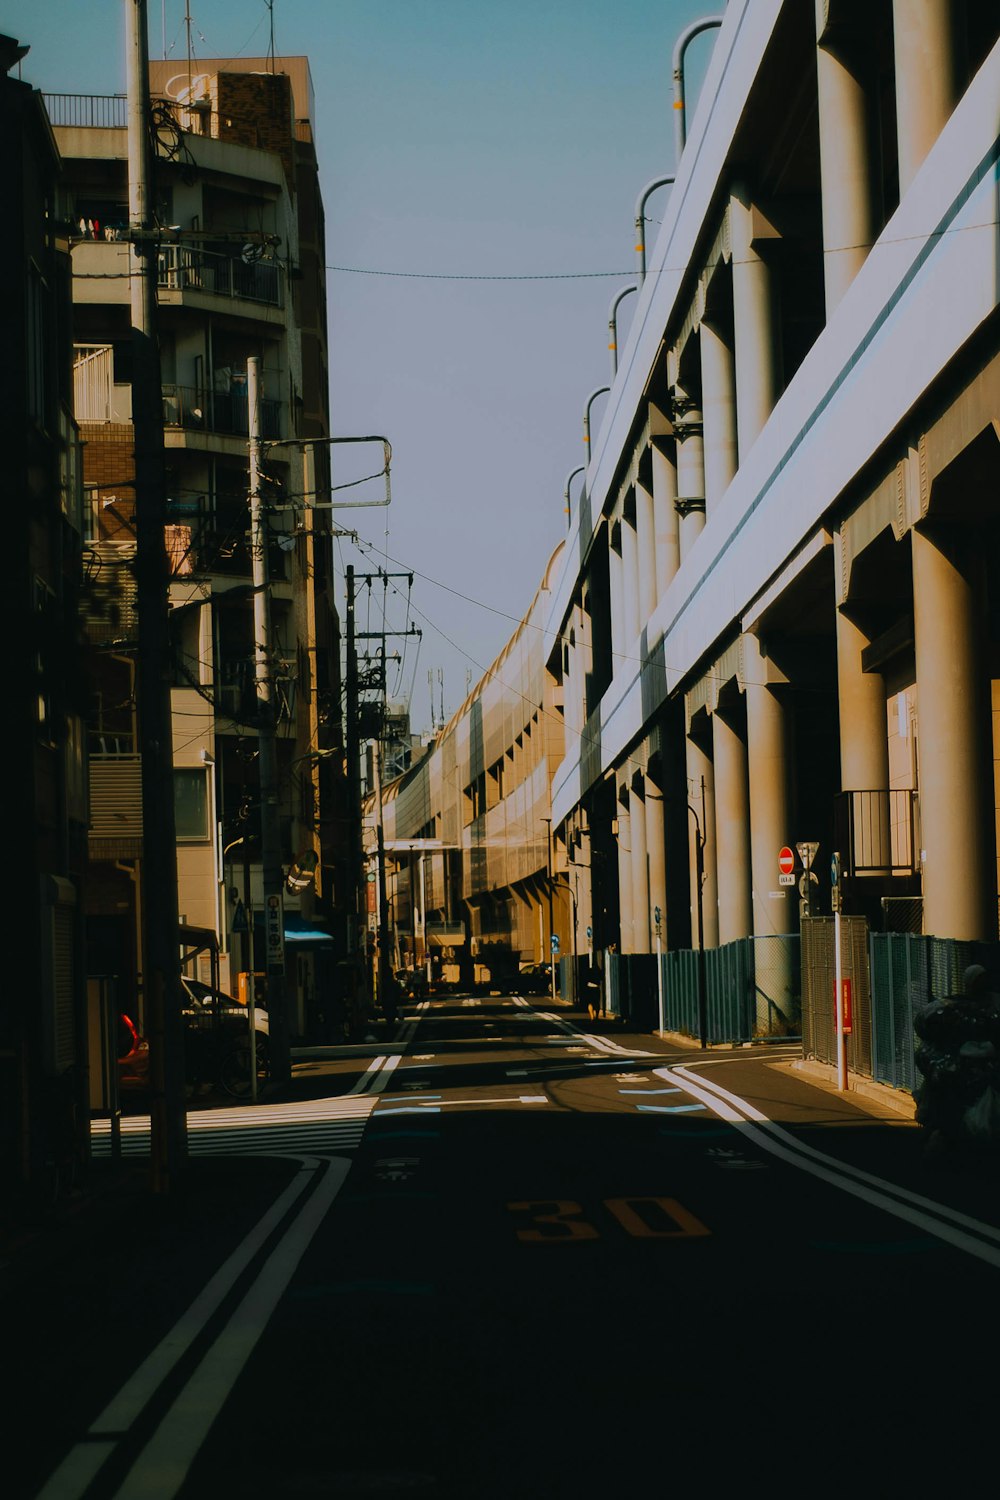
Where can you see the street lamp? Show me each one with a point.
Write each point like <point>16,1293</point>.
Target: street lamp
<point>602,390</point>
<point>640,221</point>
<point>613,325</point>
<point>686,36</point>
<point>699,877</point>
<point>580,469</point>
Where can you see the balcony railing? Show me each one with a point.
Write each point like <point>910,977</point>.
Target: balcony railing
<point>179,268</point>
<point>217,411</point>
<point>100,111</point>
<point>878,832</point>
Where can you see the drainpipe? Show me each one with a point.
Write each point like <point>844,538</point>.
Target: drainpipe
<point>601,391</point>
<point>569,480</point>
<point>613,326</point>
<point>640,221</point>
<point>687,35</point>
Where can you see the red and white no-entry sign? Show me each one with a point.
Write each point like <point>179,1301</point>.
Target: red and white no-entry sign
<point>786,860</point>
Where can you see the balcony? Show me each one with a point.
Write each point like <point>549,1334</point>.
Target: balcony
<point>878,833</point>
<point>222,412</point>
<point>182,269</point>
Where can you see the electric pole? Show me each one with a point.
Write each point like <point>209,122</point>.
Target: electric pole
<point>158,884</point>
<point>352,746</point>
<point>270,825</point>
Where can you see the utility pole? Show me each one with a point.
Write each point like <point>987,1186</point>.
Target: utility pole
<point>161,941</point>
<point>352,745</point>
<point>270,826</point>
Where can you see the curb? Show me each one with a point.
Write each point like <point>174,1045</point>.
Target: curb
<point>824,1075</point>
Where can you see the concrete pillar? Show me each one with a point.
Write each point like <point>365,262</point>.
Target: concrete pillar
<point>616,585</point>
<point>656,857</point>
<point>701,799</point>
<point>718,401</point>
<point>732,827</point>
<point>690,503</point>
<point>630,588</point>
<point>774,911</point>
<point>956,787</point>
<point>758,359</point>
<point>667,521</point>
<point>767,775</point>
<point>864,750</point>
<point>844,82</point>
<point>624,879</point>
<point>646,547</point>
<point>929,60</point>
<point>640,875</point>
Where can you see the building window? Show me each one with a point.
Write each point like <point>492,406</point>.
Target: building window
<point>191,804</point>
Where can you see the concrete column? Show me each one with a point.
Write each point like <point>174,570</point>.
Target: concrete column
<point>668,556</point>
<point>929,59</point>
<point>864,749</point>
<point>758,361</point>
<point>640,876</point>
<point>718,399</point>
<point>624,880</point>
<point>774,910</point>
<point>656,857</point>
<point>843,80</point>
<point>646,547</point>
<point>690,502</point>
<point>769,813</point>
<point>732,827</point>
<point>616,585</point>
<point>956,788</point>
<point>630,587</point>
<point>700,776</point>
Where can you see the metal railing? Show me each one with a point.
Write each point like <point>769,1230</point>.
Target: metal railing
<point>180,268</point>
<point>224,412</point>
<point>878,831</point>
<point>93,111</point>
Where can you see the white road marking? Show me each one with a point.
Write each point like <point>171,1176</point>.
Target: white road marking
<point>74,1475</point>
<point>937,1219</point>
<point>362,1083</point>
<point>644,1092</point>
<point>379,1082</point>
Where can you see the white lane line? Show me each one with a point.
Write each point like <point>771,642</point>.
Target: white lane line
<point>75,1472</point>
<point>433,1109</point>
<point>362,1083</point>
<point>670,1109</point>
<point>380,1080</point>
<point>161,1469</point>
<point>646,1092</point>
<point>933,1218</point>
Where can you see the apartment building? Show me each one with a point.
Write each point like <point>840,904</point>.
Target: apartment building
<point>240,276</point>
<point>776,613</point>
<point>43,1036</point>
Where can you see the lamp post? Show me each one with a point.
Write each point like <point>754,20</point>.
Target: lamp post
<point>613,325</point>
<point>602,390</point>
<point>548,872</point>
<point>699,878</point>
<point>640,221</point>
<point>686,36</point>
<point>580,469</point>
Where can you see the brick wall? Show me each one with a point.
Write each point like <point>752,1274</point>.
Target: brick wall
<point>255,109</point>
<point>109,463</point>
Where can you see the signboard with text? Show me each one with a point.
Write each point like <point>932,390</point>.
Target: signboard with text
<point>274,934</point>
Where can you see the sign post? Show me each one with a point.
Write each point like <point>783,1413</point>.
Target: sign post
<point>838,975</point>
<point>657,916</point>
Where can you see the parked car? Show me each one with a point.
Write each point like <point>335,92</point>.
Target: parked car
<point>204,1006</point>
<point>536,979</point>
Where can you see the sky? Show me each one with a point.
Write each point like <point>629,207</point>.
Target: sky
<point>459,143</point>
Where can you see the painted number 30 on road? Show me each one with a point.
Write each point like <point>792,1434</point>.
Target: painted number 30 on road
<point>557,1221</point>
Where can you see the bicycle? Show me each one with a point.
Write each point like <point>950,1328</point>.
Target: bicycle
<point>234,1075</point>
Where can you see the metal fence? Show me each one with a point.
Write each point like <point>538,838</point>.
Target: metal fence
<point>101,111</point>
<point>744,991</point>
<point>180,268</point>
<point>908,973</point>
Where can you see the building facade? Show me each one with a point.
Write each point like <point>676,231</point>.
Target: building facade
<point>776,611</point>
<point>43,1021</point>
<point>240,275</point>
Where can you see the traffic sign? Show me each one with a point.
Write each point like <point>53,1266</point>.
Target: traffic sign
<point>590,932</point>
<point>807,853</point>
<point>786,860</point>
<point>239,918</point>
<point>555,942</point>
<point>784,879</point>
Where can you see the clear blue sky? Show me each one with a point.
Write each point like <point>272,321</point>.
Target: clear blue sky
<point>454,138</point>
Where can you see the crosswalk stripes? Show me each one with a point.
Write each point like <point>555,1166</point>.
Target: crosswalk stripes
<point>314,1127</point>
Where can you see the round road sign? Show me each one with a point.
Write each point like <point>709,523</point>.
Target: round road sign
<point>786,860</point>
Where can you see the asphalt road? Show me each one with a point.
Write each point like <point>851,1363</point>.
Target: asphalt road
<point>513,1253</point>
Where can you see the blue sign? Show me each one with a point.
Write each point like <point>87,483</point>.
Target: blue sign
<point>555,942</point>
